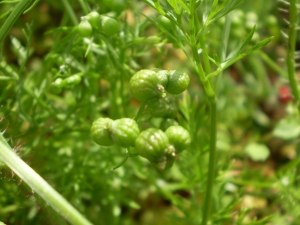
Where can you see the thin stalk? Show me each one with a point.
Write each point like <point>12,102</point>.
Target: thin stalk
<point>85,7</point>
<point>291,50</point>
<point>39,185</point>
<point>204,55</point>
<point>213,110</point>
<point>141,110</point>
<point>272,64</point>
<point>212,162</point>
<point>70,11</point>
<point>9,22</point>
<point>224,46</point>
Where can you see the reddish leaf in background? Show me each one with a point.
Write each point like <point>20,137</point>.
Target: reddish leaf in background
<point>285,94</point>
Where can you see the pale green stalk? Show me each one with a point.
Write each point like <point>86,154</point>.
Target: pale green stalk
<point>70,11</point>
<point>213,110</point>
<point>39,185</point>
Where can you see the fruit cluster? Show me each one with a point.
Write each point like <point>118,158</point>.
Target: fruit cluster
<point>68,82</point>
<point>149,84</point>
<point>158,146</point>
<point>153,144</point>
<point>95,22</point>
<point>154,86</point>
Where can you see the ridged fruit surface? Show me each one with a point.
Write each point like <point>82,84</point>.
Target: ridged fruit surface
<point>151,144</point>
<point>177,82</point>
<point>100,131</point>
<point>124,132</point>
<point>144,85</point>
<point>109,26</point>
<point>178,137</point>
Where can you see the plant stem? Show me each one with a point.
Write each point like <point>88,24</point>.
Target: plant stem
<point>140,112</point>
<point>70,11</point>
<point>213,110</point>
<point>291,50</point>
<point>9,22</point>
<point>212,162</point>
<point>39,185</point>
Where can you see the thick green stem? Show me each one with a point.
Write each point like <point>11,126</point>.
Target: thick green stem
<point>39,185</point>
<point>291,50</point>
<point>9,22</point>
<point>212,162</point>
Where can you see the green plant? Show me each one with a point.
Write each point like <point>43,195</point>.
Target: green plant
<point>203,95</point>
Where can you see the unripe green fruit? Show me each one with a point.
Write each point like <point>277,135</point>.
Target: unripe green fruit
<point>165,23</point>
<point>166,123</point>
<point>100,131</point>
<point>57,85</point>
<point>145,85</point>
<point>159,107</point>
<point>116,5</point>
<point>93,18</point>
<point>84,28</point>
<point>59,82</point>
<point>72,80</point>
<point>178,137</point>
<point>177,82</point>
<point>124,132</point>
<point>109,26</point>
<point>153,144</point>
<point>163,77</point>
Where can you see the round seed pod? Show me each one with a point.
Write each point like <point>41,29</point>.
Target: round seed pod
<point>165,23</point>
<point>57,85</point>
<point>178,137</point>
<point>124,132</point>
<point>100,131</point>
<point>109,26</point>
<point>59,82</point>
<point>84,28</point>
<point>93,18</point>
<point>151,144</point>
<point>163,77</point>
<point>177,82</point>
<point>115,5</point>
<point>145,85</point>
<point>166,123</point>
<point>72,80</point>
<point>159,107</point>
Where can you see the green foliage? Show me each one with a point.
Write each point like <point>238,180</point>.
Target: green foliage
<point>58,76</point>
